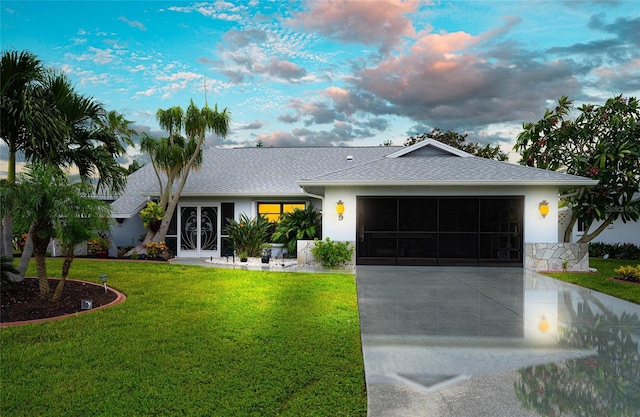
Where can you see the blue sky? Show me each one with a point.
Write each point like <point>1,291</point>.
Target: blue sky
<point>323,73</point>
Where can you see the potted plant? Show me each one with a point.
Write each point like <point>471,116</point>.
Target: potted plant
<point>248,236</point>
<point>99,245</point>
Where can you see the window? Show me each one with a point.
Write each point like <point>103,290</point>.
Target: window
<point>273,211</point>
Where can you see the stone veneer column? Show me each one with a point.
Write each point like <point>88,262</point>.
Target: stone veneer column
<point>556,256</point>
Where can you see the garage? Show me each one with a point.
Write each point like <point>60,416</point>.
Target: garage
<point>412,230</point>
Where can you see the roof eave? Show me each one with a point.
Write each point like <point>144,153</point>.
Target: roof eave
<point>367,183</point>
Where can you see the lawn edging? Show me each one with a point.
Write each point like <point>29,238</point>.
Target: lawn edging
<point>120,297</point>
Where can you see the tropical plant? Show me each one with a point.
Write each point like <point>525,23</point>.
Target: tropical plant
<point>151,216</point>
<point>47,120</point>
<point>629,273</point>
<point>332,253</point>
<point>155,249</point>
<point>600,143</point>
<point>298,225</point>
<point>91,216</point>
<point>6,270</point>
<point>248,236</point>
<point>47,205</point>
<point>459,141</point>
<point>176,155</point>
<point>98,242</point>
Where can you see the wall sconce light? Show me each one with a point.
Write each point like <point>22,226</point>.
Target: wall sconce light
<point>543,326</point>
<point>544,208</point>
<point>340,209</point>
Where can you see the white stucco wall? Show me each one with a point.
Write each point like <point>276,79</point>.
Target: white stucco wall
<point>536,228</point>
<point>617,232</point>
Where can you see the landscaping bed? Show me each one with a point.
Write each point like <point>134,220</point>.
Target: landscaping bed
<point>22,302</point>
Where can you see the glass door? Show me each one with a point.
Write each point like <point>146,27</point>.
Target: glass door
<point>198,231</point>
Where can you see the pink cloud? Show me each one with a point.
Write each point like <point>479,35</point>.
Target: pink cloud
<point>361,21</point>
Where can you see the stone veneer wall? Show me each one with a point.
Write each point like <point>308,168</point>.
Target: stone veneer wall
<point>551,256</point>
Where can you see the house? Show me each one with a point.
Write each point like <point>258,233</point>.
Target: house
<point>616,232</point>
<point>426,204</point>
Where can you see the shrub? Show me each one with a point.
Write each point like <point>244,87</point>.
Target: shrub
<point>6,269</point>
<point>151,216</point>
<point>297,225</point>
<point>629,273</point>
<point>156,248</point>
<point>330,253</point>
<point>627,251</point>
<point>248,236</point>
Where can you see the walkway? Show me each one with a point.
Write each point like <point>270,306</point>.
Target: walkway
<point>462,342</point>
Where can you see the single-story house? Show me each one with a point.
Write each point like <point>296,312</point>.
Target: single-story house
<point>616,232</point>
<point>426,204</point>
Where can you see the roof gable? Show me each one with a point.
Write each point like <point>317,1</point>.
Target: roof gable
<point>429,148</point>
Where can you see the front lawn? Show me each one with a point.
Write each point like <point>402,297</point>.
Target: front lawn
<point>192,341</point>
<point>600,281</point>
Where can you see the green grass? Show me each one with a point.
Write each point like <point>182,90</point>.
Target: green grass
<point>600,281</point>
<point>192,341</point>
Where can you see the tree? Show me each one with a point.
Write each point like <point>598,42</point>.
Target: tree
<point>602,143</point>
<point>51,123</point>
<point>51,207</point>
<point>175,156</point>
<point>459,141</point>
<point>24,116</point>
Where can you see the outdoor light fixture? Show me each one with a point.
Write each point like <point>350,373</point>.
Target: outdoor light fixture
<point>103,278</point>
<point>543,326</point>
<point>340,209</point>
<point>544,208</point>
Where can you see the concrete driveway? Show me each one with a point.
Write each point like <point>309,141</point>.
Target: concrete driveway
<point>469,341</point>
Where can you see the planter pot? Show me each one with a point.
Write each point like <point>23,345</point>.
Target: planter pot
<point>102,254</point>
<point>243,259</point>
<point>265,259</point>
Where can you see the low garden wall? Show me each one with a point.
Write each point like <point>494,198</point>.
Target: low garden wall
<point>556,256</point>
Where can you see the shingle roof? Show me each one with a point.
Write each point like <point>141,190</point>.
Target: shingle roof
<point>443,170</point>
<point>263,172</point>
<point>234,172</point>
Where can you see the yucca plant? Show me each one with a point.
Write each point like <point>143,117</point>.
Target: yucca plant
<point>297,225</point>
<point>248,236</point>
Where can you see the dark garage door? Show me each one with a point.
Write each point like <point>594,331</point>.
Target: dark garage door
<point>439,230</point>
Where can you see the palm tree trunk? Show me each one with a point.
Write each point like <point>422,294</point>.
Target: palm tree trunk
<point>40,252</point>
<point>66,265</point>
<point>25,258</point>
<point>43,281</point>
<point>6,226</point>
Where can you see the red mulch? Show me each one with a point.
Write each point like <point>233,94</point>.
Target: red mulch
<point>22,302</point>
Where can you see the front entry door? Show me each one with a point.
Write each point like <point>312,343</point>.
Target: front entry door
<point>198,231</point>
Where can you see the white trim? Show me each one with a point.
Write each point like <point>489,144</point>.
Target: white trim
<point>435,144</point>
<point>198,253</point>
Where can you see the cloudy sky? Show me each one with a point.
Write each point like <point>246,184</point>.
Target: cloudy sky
<point>343,72</point>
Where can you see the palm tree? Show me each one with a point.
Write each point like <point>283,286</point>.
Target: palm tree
<point>90,215</point>
<point>176,155</point>
<point>52,207</point>
<point>44,117</point>
<point>24,116</point>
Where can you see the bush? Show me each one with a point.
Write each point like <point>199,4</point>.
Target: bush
<point>151,216</point>
<point>248,236</point>
<point>627,251</point>
<point>154,249</point>
<point>298,225</point>
<point>629,273</point>
<point>330,253</point>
